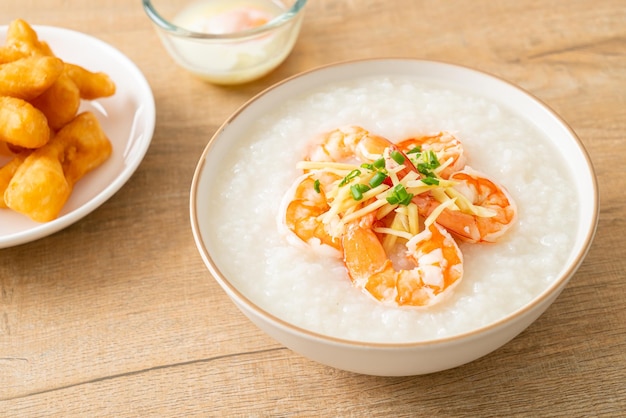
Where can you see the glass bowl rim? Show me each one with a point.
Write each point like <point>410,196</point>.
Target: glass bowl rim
<point>175,30</point>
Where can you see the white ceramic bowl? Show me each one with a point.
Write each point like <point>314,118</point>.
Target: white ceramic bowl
<point>220,57</point>
<point>393,359</point>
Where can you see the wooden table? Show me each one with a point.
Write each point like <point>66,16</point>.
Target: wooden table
<point>117,315</point>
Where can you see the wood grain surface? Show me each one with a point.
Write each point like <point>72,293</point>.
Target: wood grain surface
<point>117,315</point>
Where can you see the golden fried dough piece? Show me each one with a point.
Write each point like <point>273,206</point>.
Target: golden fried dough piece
<point>44,181</point>
<point>23,38</point>
<point>39,188</point>
<point>8,171</point>
<point>28,77</point>
<point>9,54</point>
<point>21,124</point>
<point>91,85</point>
<point>60,102</point>
<point>86,146</point>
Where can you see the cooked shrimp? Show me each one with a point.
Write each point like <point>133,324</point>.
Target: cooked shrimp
<point>303,206</point>
<point>363,167</point>
<point>486,209</point>
<point>438,265</point>
<point>447,148</point>
<point>355,144</point>
<point>306,208</point>
<point>346,144</point>
<point>369,198</point>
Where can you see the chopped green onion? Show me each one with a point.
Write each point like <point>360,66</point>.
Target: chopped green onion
<point>431,159</point>
<point>316,186</point>
<point>399,196</point>
<point>430,162</point>
<point>397,156</point>
<point>416,150</point>
<point>357,190</point>
<point>392,200</point>
<point>351,175</point>
<point>380,163</point>
<point>377,179</point>
<point>431,181</point>
<point>368,166</point>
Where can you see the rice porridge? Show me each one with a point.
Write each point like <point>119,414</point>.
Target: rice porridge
<point>313,291</point>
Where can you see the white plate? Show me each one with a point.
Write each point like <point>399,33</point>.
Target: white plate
<point>127,117</point>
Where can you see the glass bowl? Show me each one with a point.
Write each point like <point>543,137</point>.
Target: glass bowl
<point>227,41</point>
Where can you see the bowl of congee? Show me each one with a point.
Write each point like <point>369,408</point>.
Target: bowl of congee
<point>393,216</point>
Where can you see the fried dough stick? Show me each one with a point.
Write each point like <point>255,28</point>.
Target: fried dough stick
<point>92,85</point>
<point>22,41</point>
<point>27,78</point>
<point>44,181</point>
<point>29,70</point>
<point>21,124</point>
<point>61,101</point>
<point>7,172</point>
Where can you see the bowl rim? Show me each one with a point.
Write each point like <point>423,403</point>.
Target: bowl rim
<point>551,290</point>
<point>181,32</point>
